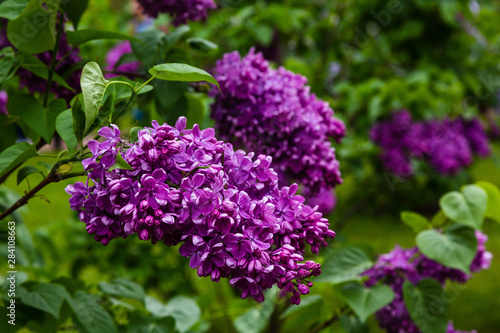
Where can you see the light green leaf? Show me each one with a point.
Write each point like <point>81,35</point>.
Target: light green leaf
<point>120,164</point>
<point>201,45</point>
<point>181,72</point>
<point>14,155</point>
<point>64,127</point>
<point>134,133</point>
<point>123,288</point>
<point>256,319</point>
<point>344,264</point>
<point>11,9</point>
<point>426,305</point>
<point>76,38</point>
<point>466,208</point>
<point>456,247</point>
<point>78,115</point>
<point>493,206</point>
<point>46,297</point>
<point>415,221</point>
<point>93,87</point>
<point>25,172</point>
<point>89,315</point>
<point>366,301</point>
<point>185,311</point>
<point>42,121</point>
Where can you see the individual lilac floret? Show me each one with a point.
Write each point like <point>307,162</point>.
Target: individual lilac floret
<point>114,55</point>
<point>224,206</point>
<point>272,112</point>
<point>447,145</point>
<point>401,265</point>
<point>182,11</point>
<point>3,102</point>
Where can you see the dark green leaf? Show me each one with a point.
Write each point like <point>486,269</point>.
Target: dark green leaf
<point>89,315</point>
<point>493,206</point>
<point>456,247</point>
<point>7,64</point>
<point>93,86</point>
<point>76,38</point>
<point>46,297</point>
<point>185,311</point>
<point>426,305</point>
<point>37,67</point>
<point>344,264</point>
<point>201,45</point>
<point>26,35</point>
<point>75,9</point>
<point>140,324</point>
<point>352,324</point>
<point>181,72</point>
<point>466,208</point>
<point>42,121</point>
<point>123,288</point>
<point>64,127</point>
<point>174,36</point>
<point>11,9</point>
<point>14,155</point>
<point>366,301</point>
<point>120,164</point>
<point>78,115</point>
<point>415,221</point>
<point>152,49</point>
<point>25,172</point>
<point>256,319</point>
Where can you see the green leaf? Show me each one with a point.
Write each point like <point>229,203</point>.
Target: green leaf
<point>344,264</point>
<point>14,155</point>
<point>438,219</point>
<point>201,45</point>
<point>352,324</point>
<point>120,163</point>
<point>93,87</point>
<point>426,305</point>
<point>123,288</point>
<point>46,297</point>
<point>64,127</point>
<point>25,172</point>
<point>76,38</point>
<point>78,115</point>
<point>134,133</point>
<point>493,206</point>
<point>456,247</point>
<point>181,72</point>
<point>466,208</point>
<point>415,221</point>
<point>366,301</point>
<point>37,67</point>
<point>89,315</point>
<point>42,121</point>
<point>74,9</point>
<point>256,319</point>
<point>152,49</point>
<point>7,64</point>
<point>185,311</point>
<point>140,324</point>
<point>27,36</point>
<point>11,9</point>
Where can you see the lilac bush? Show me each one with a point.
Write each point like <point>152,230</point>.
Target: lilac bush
<point>447,145</point>
<point>272,112</point>
<point>224,206</point>
<point>114,56</point>
<point>182,11</point>
<point>400,265</point>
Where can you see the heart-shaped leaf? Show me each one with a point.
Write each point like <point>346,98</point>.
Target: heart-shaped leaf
<point>466,208</point>
<point>15,155</point>
<point>123,288</point>
<point>455,248</point>
<point>89,315</point>
<point>344,264</point>
<point>426,305</point>
<point>493,206</point>
<point>366,301</point>
<point>11,9</point>
<point>93,87</point>
<point>46,297</point>
<point>64,127</point>
<point>415,221</point>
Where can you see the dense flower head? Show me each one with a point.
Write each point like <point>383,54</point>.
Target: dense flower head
<point>447,145</point>
<point>3,102</point>
<point>224,206</point>
<point>182,11</point>
<point>401,265</point>
<point>114,55</point>
<point>272,112</point>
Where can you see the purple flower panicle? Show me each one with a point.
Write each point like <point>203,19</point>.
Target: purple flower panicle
<point>447,145</point>
<point>182,11</point>
<point>224,206</point>
<point>272,112</point>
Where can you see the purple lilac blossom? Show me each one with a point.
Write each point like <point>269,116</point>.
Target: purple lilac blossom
<point>224,206</point>
<point>447,145</point>
<point>325,200</point>
<point>272,112</point>
<point>3,102</point>
<point>400,265</point>
<point>182,11</point>
<point>114,56</point>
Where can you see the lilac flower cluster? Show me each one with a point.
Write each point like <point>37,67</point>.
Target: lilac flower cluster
<point>114,55</point>
<point>224,206</point>
<point>447,145</point>
<point>273,112</point>
<point>182,11</point>
<point>400,265</point>
<point>3,102</point>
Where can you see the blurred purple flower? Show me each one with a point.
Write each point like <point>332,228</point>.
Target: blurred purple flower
<point>182,11</point>
<point>114,55</point>
<point>3,102</point>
